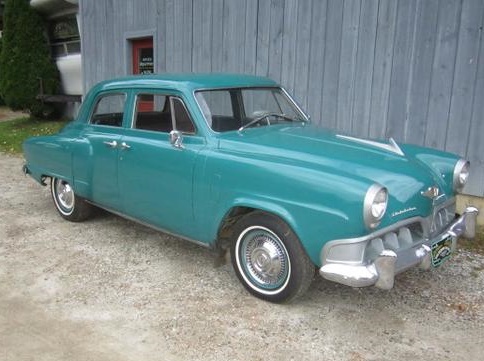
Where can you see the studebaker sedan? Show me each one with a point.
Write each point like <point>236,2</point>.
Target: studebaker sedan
<point>231,162</point>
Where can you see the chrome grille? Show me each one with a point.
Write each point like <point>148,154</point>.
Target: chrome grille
<point>442,217</point>
<point>403,238</point>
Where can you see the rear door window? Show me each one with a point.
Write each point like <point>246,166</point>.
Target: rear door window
<point>109,110</point>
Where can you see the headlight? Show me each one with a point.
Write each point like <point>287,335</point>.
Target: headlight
<point>375,205</point>
<point>461,174</point>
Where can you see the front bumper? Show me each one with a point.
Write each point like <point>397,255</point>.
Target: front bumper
<point>381,271</point>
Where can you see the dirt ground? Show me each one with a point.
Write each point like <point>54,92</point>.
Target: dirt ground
<point>110,289</point>
<point>7,114</point>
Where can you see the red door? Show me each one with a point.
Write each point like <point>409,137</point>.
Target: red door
<point>143,63</point>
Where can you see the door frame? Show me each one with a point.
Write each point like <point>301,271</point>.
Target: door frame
<point>131,36</point>
<point>136,46</point>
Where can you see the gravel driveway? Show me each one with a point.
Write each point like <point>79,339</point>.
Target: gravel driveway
<point>110,289</point>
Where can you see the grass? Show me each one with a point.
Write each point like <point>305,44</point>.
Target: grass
<point>14,132</point>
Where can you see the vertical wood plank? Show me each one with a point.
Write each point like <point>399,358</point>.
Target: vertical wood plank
<point>275,39</point>
<point>360,117</point>
<point>475,145</point>
<point>170,47</point>
<point>217,35</point>
<point>185,31</point>
<point>250,45</point>
<point>401,69</point>
<point>464,76</point>
<point>382,68</point>
<point>419,89</point>
<point>316,60</point>
<point>302,52</point>
<point>202,36</point>
<point>263,26</point>
<point>229,47</point>
<point>332,55</point>
<point>160,48</point>
<point>442,74</point>
<point>233,36</point>
<point>102,50</point>
<point>288,63</point>
<point>349,46</point>
<point>118,63</point>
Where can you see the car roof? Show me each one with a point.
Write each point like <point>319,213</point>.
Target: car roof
<point>187,81</point>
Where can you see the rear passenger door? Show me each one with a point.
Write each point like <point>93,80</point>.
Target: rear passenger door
<point>155,177</point>
<point>103,133</point>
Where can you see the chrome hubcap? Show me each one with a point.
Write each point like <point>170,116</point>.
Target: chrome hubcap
<point>65,194</point>
<point>264,258</point>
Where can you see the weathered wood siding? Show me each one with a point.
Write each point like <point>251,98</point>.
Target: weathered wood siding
<point>408,69</point>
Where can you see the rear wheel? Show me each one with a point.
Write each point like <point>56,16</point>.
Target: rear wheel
<point>268,258</point>
<point>67,203</point>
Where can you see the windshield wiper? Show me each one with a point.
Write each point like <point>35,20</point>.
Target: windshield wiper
<point>266,116</point>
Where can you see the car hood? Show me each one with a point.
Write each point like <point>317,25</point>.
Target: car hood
<point>309,147</point>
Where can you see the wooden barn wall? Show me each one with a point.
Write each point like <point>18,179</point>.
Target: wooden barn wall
<point>408,69</point>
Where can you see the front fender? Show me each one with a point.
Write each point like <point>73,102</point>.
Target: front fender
<point>319,206</point>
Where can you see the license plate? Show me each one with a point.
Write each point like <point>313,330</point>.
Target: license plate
<point>441,250</point>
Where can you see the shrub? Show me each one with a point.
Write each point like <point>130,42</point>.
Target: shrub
<point>25,58</point>
<point>1,99</point>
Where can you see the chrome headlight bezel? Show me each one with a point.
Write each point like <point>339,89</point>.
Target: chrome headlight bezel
<point>461,174</point>
<point>375,205</point>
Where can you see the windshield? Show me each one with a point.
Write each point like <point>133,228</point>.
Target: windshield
<point>241,108</point>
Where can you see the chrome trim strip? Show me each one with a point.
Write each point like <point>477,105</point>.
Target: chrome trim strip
<point>294,102</point>
<point>391,147</point>
<point>159,229</point>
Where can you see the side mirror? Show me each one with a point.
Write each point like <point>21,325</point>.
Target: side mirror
<point>176,139</point>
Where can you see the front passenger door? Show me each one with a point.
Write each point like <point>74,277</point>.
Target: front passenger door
<point>155,176</point>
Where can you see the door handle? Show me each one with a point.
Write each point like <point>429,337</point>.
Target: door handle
<point>112,144</point>
<point>125,146</point>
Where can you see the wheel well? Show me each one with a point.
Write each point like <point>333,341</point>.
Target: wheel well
<point>225,230</point>
<point>43,179</point>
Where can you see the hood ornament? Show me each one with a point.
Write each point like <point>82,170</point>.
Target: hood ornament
<point>431,192</point>
<point>392,146</point>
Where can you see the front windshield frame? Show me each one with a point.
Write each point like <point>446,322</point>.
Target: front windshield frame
<point>300,115</point>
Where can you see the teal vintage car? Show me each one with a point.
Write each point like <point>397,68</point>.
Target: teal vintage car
<point>231,162</point>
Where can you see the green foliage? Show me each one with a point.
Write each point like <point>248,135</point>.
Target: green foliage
<point>25,57</point>
<point>2,102</point>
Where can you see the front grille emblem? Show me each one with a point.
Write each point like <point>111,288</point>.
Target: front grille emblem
<point>431,192</point>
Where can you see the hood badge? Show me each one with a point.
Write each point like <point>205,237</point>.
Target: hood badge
<point>403,211</point>
<point>431,192</point>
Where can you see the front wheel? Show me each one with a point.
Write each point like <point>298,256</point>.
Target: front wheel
<point>68,204</point>
<point>268,258</point>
